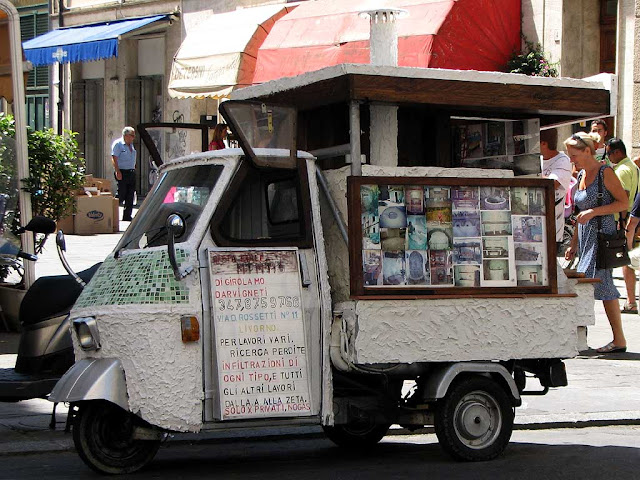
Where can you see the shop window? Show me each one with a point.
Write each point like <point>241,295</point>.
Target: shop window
<point>33,25</point>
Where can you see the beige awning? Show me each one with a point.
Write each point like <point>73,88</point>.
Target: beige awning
<point>219,54</point>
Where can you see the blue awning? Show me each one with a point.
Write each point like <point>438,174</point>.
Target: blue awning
<point>84,43</point>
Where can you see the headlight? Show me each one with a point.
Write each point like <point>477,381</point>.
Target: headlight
<point>86,329</point>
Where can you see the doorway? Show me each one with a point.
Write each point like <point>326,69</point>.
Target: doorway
<point>144,105</point>
<point>87,117</point>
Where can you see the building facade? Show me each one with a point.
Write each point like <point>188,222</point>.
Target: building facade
<point>584,38</point>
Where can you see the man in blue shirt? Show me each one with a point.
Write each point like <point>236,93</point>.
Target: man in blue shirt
<point>123,156</point>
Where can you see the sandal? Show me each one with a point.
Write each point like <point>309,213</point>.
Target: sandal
<point>630,308</point>
<point>611,348</point>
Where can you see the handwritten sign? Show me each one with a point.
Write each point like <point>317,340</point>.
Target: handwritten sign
<point>259,334</point>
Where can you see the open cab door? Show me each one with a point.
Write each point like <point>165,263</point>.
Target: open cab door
<point>260,126</point>
<point>264,290</point>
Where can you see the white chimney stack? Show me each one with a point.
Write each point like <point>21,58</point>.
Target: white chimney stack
<point>383,51</point>
<point>383,36</point>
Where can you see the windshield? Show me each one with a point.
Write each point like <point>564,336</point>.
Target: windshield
<point>184,191</point>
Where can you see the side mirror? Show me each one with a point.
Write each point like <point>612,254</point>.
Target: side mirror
<point>60,241</point>
<point>62,247</point>
<point>176,227</point>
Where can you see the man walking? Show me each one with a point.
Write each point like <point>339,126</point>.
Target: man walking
<point>628,174</point>
<point>557,166</point>
<point>599,126</point>
<point>123,156</point>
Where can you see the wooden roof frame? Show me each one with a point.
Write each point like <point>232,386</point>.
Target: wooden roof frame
<point>555,101</point>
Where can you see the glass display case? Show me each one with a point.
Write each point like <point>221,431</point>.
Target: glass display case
<point>451,235</point>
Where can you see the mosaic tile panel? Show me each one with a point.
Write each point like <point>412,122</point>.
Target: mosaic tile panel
<point>140,278</point>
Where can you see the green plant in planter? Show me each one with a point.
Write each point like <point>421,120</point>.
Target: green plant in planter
<point>532,61</point>
<point>56,170</point>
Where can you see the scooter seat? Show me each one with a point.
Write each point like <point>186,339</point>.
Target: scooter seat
<point>52,295</point>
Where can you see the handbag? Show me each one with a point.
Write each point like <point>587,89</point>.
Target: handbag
<point>612,249</point>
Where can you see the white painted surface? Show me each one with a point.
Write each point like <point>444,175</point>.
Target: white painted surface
<point>151,52</point>
<point>383,135</point>
<point>325,297</point>
<point>93,70</point>
<point>163,374</point>
<point>406,331</point>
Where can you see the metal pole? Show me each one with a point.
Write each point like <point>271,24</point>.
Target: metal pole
<point>20,118</point>
<point>332,205</point>
<point>354,124</point>
<point>60,73</point>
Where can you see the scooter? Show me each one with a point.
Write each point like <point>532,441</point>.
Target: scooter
<point>45,351</point>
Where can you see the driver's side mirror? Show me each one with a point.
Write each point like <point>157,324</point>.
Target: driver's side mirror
<point>175,225</point>
<point>175,228</point>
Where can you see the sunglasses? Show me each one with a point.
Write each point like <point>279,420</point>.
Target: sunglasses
<point>578,138</point>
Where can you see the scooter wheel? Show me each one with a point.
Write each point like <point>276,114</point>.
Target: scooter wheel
<point>474,421</point>
<point>103,437</point>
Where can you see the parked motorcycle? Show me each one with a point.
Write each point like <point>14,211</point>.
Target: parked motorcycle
<point>45,351</point>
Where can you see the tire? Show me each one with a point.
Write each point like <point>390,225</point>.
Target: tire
<point>357,435</point>
<point>102,435</point>
<point>474,421</point>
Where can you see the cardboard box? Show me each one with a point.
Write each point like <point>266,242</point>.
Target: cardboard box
<point>95,184</point>
<point>93,215</point>
<point>116,215</point>
<point>66,225</point>
<point>103,184</point>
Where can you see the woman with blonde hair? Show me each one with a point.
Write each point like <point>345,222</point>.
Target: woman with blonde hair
<point>581,150</point>
<point>219,134</point>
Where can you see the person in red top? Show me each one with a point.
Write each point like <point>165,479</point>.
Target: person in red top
<point>219,134</point>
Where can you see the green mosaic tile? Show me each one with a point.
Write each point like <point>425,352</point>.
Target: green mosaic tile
<point>140,278</point>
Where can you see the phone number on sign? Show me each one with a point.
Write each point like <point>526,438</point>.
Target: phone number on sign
<point>240,305</point>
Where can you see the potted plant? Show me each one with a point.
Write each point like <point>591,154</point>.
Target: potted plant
<point>56,170</point>
<point>531,61</point>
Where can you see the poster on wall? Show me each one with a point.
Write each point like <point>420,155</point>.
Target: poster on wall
<point>259,333</point>
<point>440,236</point>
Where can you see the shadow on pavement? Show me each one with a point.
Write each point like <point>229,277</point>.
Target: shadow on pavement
<point>591,353</point>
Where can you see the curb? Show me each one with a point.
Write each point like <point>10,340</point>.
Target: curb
<point>65,442</point>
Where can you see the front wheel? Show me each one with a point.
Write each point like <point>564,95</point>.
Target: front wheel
<point>103,437</point>
<point>474,421</point>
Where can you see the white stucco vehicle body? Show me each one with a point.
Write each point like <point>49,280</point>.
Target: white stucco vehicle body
<point>239,298</point>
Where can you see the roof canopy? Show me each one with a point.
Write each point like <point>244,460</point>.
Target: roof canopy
<point>85,43</point>
<point>458,34</point>
<point>219,54</point>
<point>463,93</point>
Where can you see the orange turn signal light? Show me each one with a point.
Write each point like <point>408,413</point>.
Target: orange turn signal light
<point>190,329</point>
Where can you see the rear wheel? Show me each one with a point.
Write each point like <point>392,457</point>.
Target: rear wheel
<point>474,420</point>
<point>103,437</point>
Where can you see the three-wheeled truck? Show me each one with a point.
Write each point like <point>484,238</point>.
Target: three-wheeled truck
<point>240,298</point>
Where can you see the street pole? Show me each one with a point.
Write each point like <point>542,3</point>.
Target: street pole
<point>60,73</point>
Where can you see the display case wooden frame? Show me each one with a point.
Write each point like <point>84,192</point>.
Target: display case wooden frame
<point>356,249</point>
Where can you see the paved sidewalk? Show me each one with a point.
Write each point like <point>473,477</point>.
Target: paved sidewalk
<point>602,390</point>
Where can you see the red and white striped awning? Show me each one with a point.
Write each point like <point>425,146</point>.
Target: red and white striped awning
<point>219,54</point>
<point>455,34</point>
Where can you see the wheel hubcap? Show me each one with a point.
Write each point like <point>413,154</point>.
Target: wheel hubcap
<point>477,420</point>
